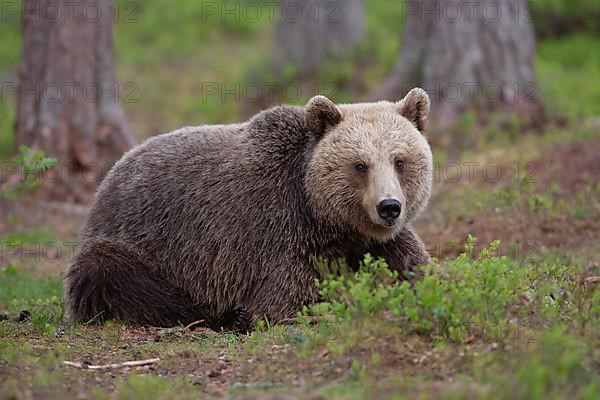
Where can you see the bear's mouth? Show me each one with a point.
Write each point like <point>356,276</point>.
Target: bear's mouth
<point>386,224</point>
<point>382,231</point>
<point>383,228</point>
<point>389,222</point>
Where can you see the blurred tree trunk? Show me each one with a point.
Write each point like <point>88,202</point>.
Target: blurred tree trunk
<point>68,99</point>
<point>308,31</point>
<point>467,54</point>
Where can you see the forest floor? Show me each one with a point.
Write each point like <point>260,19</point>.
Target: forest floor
<point>544,207</point>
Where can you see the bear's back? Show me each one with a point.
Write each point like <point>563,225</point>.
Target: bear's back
<point>157,177</point>
<point>197,200</point>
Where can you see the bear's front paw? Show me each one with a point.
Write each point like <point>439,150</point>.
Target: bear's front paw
<point>236,320</point>
<point>242,322</point>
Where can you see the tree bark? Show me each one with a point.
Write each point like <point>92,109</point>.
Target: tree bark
<point>308,31</point>
<point>467,54</point>
<point>68,99</point>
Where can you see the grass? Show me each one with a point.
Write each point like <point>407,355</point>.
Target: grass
<point>42,298</point>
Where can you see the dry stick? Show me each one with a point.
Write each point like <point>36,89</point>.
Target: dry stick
<point>178,329</point>
<point>189,326</point>
<point>96,316</point>
<point>111,366</point>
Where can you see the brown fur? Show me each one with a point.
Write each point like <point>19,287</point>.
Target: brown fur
<point>221,223</point>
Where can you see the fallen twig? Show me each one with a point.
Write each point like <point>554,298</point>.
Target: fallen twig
<point>94,318</point>
<point>182,329</point>
<point>189,326</point>
<point>111,366</point>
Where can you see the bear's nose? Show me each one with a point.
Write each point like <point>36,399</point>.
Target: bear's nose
<point>389,209</point>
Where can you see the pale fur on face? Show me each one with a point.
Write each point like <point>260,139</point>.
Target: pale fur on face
<point>375,135</point>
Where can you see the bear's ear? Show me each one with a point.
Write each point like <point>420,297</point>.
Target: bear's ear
<point>415,107</point>
<point>321,115</point>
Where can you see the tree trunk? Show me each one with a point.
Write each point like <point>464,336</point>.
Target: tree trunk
<point>68,99</point>
<point>309,30</point>
<point>467,54</point>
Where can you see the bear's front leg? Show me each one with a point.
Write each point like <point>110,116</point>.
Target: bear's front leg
<point>283,293</point>
<point>404,252</point>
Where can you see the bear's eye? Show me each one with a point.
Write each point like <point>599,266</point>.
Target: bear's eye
<point>361,168</point>
<point>400,165</point>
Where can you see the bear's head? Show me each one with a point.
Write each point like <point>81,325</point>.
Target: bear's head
<point>371,168</point>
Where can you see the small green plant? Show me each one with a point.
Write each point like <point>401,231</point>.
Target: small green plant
<point>355,294</point>
<point>30,164</point>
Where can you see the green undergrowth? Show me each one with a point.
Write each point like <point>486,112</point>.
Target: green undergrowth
<point>450,298</point>
<point>488,326</point>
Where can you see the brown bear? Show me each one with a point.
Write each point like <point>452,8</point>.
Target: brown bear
<point>223,223</point>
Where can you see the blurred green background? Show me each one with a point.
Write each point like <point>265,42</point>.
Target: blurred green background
<point>170,50</point>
